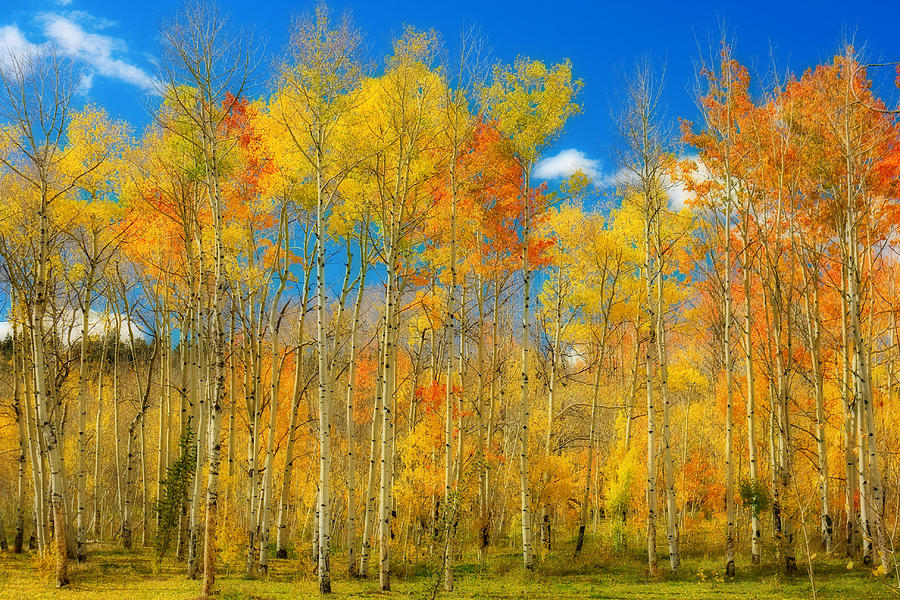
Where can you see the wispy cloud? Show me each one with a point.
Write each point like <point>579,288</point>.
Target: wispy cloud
<point>13,45</point>
<point>74,34</point>
<point>679,196</point>
<point>99,52</point>
<point>565,164</point>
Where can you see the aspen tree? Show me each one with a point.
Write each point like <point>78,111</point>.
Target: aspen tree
<point>35,97</point>
<point>319,83</point>
<point>645,161</point>
<point>216,65</point>
<point>298,390</point>
<point>530,103</point>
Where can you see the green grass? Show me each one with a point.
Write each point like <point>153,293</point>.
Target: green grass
<point>112,574</point>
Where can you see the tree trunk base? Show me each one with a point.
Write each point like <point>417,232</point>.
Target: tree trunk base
<point>790,566</point>
<point>580,544</point>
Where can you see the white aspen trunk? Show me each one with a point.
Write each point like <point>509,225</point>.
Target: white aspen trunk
<point>369,516</point>
<point>253,409</point>
<point>871,495</point>
<point>42,396</point>
<point>387,433</point>
<point>551,409</point>
<point>525,411</point>
<point>285,498</point>
<point>585,500</point>
<point>352,565</point>
<point>729,379</point>
<point>813,327</point>
<point>164,421</point>
<point>482,446</point>
<point>755,528</point>
<point>143,484</point>
<point>268,475</point>
<point>97,523</point>
<point>672,532</point>
<point>232,405</point>
<point>198,403</point>
<point>324,499</point>
<point>649,383</point>
<point>80,550</point>
<point>848,432</point>
<point>785,447</point>
<point>120,492</point>
<point>21,424</point>
<point>453,335</point>
<point>214,448</point>
<point>34,449</point>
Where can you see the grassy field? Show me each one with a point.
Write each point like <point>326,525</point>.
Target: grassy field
<point>111,574</point>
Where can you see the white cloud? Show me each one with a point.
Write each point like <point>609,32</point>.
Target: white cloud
<point>565,164</point>
<point>678,194</point>
<point>89,20</point>
<point>97,51</point>
<point>74,36</point>
<point>14,46</point>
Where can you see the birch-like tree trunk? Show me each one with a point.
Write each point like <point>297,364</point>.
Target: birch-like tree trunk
<point>524,404</point>
<point>585,500</point>
<point>650,385</point>
<point>387,426</point>
<point>352,565</point>
<point>755,528</point>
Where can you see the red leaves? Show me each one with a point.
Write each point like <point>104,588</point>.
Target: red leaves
<point>431,397</point>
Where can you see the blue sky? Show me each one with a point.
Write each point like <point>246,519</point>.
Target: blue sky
<point>116,41</point>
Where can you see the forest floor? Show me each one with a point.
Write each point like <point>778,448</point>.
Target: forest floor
<point>110,573</point>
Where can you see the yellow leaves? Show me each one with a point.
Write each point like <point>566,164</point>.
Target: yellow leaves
<point>575,185</point>
<point>684,375</point>
<point>77,271</point>
<point>10,138</point>
<point>531,102</point>
<point>415,47</point>
<point>95,148</point>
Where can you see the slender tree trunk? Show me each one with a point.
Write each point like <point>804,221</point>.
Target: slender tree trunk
<point>651,406</point>
<point>387,456</point>
<point>813,325</point>
<point>218,390</point>
<point>80,551</point>
<point>369,517</point>
<point>755,529</point>
<point>21,426</point>
<point>672,532</point>
<point>352,565</point>
<point>525,411</point>
<point>554,354</point>
<point>285,502</point>
<point>325,390</point>
<point>582,521</point>
<point>96,499</point>
<point>729,378</point>
<point>42,396</point>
